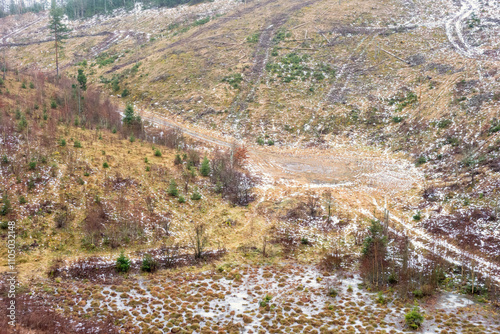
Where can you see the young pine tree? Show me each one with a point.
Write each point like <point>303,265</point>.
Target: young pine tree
<point>205,167</point>
<point>130,117</point>
<point>172,189</point>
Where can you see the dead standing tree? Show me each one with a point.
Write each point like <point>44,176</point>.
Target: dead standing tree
<point>198,239</point>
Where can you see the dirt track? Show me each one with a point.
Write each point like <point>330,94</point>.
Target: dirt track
<point>347,165</point>
<point>362,180</point>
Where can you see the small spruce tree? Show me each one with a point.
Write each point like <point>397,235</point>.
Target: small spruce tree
<point>172,189</point>
<point>122,263</point>
<point>205,167</point>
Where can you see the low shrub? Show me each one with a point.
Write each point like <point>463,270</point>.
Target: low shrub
<point>122,263</point>
<point>414,318</point>
<point>265,301</point>
<point>196,196</point>
<point>149,264</point>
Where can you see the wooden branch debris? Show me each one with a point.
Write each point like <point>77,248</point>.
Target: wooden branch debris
<point>398,58</point>
<point>327,40</point>
<point>288,48</point>
<point>300,25</point>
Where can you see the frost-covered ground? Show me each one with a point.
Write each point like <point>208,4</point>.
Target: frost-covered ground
<point>233,298</point>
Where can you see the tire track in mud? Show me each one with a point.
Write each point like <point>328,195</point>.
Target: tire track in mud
<point>15,32</point>
<point>332,169</point>
<point>455,33</point>
<point>339,96</point>
<point>261,57</point>
<point>201,30</point>
<point>454,30</point>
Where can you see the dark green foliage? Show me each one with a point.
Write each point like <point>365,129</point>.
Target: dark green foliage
<point>115,84</point>
<point>105,59</point>
<point>495,126</point>
<point>414,318</point>
<point>20,7</point>
<point>31,183</point>
<point>404,101</point>
<point>421,160</point>
<point>392,279</point>
<point>105,165</point>
<point>172,189</point>
<point>5,159</point>
<point>418,293</point>
<point>332,292</point>
<point>196,196</point>
<point>53,104</point>
<point>281,35</point>
<point>397,119</point>
<point>58,30</point>
<point>132,139</point>
<point>149,264</point>
<point>417,217</point>
<point>201,21</point>
<point>444,123</point>
<point>181,199</point>
<point>62,142</point>
<point>22,124</point>
<point>122,263</point>
<point>474,21</point>
<point>453,141</point>
<point>265,301</point>
<point>157,153</point>
<point>177,160</point>
<point>381,298</point>
<point>32,85</point>
<point>254,38</point>
<point>130,117</point>
<point>77,144</point>
<point>23,85</point>
<point>294,66</point>
<point>304,241</point>
<point>205,167</point>
<point>32,165</point>
<point>125,93</point>
<point>374,253</point>
<point>135,68</point>
<point>6,207</point>
<point>260,141</point>
<point>233,80</point>
<point>82,79</point>
<point>77,9</point>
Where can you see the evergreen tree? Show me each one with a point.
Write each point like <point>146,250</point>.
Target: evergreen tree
<point>59,30</point>
<point>172,189</point>
<point>122,263</point>
<point>374,253</point>
<point>130,117</point>
<point>205,167</point>
<point>82,79</point>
